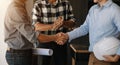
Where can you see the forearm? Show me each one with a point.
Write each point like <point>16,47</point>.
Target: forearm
<point>78,32</point>
<point>26,30</point>
<point>46,38</point>
<point>42,27</point>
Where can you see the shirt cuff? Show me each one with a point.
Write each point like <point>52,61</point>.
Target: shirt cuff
<point>118,52</point>
<point>70,37</point>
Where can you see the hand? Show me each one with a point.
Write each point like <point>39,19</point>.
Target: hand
<point>61,38</point>
<point>57,23</point>
<point>36,26</point>
<point>69,24</point>
<point>110,58</point>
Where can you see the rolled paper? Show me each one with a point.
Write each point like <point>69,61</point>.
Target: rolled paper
<point>43,51</point>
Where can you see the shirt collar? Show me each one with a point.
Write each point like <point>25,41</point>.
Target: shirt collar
<point>45,2</point>
<point>107,4</point>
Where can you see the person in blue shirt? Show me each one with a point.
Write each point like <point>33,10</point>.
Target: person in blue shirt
<point>103,20</point>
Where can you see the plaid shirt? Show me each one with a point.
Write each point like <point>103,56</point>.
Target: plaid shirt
<point>47,13</point>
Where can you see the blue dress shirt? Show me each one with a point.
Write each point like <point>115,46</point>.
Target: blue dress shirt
<point>100,22</point>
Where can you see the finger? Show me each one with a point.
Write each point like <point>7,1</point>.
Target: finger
<point>57,25</point>
<point>60,43</point>
<point>60,34</point>
<point>108,58</point>
<point>60,17</point>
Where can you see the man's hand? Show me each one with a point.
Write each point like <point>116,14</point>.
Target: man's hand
<point>69,24</point>
<point>61,38</point>
<point>57,23</point>
<point>110,58</point>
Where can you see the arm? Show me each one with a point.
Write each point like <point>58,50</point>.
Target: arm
<point>116,21</point>
<point>44,27</point>
<point>46,38</point>
<point>80,31</point>
<point>27,31</point>
<point>21,22</point>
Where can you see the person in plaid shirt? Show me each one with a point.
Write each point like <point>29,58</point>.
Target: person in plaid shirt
<point>50,17</point>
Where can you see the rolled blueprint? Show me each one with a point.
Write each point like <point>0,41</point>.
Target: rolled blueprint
<point>42,51</point>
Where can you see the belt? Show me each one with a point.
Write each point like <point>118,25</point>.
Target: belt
<point>19,50</point>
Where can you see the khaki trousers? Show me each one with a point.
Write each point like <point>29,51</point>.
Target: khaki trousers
<point>94,61</point>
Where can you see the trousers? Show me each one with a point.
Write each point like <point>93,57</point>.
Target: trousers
<point>94,61</point>
<point>19,57</point>
<point>59,56</point>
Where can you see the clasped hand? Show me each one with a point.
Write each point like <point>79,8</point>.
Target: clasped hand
<point>57,23</point>
<point>61,38</point>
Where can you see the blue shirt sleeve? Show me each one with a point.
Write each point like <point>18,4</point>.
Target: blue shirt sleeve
<point>117,23</point>
<point>80,31</point>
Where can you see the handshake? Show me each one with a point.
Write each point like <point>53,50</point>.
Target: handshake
<point>61,38</point>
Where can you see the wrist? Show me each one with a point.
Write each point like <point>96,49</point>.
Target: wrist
<point>67,36</point>
<point>53,37</point>
<point>51,26</point>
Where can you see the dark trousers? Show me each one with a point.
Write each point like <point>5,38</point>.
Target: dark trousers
<point>19,57</point>
<point>59,56</point>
